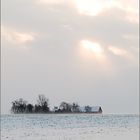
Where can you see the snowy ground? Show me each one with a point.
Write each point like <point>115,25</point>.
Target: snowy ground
<point>70,127</point>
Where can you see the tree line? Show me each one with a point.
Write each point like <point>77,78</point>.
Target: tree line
<point>42,106</point>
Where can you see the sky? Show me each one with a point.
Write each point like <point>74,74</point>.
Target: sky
<point>84,51</point>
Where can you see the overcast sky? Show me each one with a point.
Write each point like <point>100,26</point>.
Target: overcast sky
<point>83,51</point>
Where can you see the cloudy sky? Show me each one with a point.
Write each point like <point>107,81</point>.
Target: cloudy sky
<point>84,51</point>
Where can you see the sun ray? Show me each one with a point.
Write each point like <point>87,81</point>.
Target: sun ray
<point>93,47</point>
<point>93,53</point>
<point>89,7</point>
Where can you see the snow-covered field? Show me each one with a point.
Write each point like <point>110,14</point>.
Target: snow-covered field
<point>69,127</point>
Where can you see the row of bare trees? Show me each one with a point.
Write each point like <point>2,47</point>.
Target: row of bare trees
<point>42,106</point>
<point>22,106</point>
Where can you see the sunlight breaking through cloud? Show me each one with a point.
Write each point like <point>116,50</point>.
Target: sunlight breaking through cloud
<point>17,37</point>
<point>117,51</point>
<point>92,52</point>
<point>121,52</point>
<point>89,7</point>
<point>92,46</point>
<point>96,7</point>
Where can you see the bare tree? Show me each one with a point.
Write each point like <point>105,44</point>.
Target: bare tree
<point>42,100</point>
<point>29,108</point>
<point>65,107</point>
<point>43,104</point>
<point>19,106</point>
